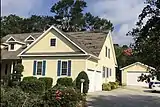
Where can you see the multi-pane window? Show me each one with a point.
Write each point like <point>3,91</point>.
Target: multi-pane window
<point>53,42</point>
<point>110,72</point>
<point>39,68</point>
<point>12,46</point>
<point>107,73</point>
<point>64,68</point>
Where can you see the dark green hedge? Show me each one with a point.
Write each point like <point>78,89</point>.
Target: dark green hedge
<point>29,78</point>
<point>47,81</point>
<point>65,81</point>
<point>32,86</point>
<point>82,75</point>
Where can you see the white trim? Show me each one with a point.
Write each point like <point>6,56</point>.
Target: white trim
<point>4,44</point>
<point>61,68</point>
<point>10,38</point>
<point>58,55</point>
<point>139,64</point>
<point>29,37</point>
<point>37,65</point>
<point>55,41</point>
<point>52,27</point>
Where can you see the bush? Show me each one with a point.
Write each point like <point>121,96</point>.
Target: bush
<point>15,97</point>
<point>82,75</point>
<point>106,87</point>
<point>29,78</point>
<point>48,82</point>
<point>113,85</point>
<point>65,81</point>
<point>32,86</point>
<point>61,96</point>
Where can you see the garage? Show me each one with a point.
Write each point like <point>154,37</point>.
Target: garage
<point>95,80</point>
<point>130,74</point>
<point>132,78</point>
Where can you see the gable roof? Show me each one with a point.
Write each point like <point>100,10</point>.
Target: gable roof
<point>139,63</point>
<point>88,42</point>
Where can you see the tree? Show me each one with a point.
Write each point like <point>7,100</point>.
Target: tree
<point>147,37</point>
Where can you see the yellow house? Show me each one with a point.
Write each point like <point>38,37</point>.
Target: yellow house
<point>131,73</point>
<point>56,54</point>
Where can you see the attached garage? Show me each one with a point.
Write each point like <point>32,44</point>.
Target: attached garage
<point>95,80</point>
<point>131,73</point>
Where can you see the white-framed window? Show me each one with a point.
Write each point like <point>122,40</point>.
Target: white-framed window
<point>110,72</point>
<point>53,42</point>
<point>64,68</point>
<point>12,46</point>
<point>39,68</point>
<point>103,75</point>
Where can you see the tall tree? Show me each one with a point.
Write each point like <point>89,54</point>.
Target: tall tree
<point>147,37</point>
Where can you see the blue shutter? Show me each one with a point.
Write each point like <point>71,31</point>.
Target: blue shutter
<point>34,67</point>
<point>69,68</point>
<point>58,67</point>
<point>44,68</point>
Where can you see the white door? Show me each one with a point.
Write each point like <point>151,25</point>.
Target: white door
<point>98,81</point>
<point>91,80</point>
<point>132,78</point>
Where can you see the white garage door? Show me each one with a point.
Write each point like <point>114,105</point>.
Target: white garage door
<point>132,78</point>
<point>95,80</point>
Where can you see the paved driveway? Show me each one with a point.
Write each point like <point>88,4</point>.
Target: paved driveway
<point>124,97</point>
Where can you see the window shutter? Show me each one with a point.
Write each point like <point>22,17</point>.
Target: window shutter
<point>103,72</point>
<point>69,68</point>
<point>58,67</point>
<point>107,72</point>
<point>44,68</point>
<point>34,67</point>
<point>110,72</point>
<point>108,53</point>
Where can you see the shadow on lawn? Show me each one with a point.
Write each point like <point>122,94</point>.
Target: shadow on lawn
<point>124,101</point>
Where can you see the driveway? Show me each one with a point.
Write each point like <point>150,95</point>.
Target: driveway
<point>124,97</point>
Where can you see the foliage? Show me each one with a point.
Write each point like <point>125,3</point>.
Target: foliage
<point>65,81</point>
<point>147,36</point>
<point>82,75</point>
<point>61,96</point>
<point>15,97</point>
<point>29,78</point>
<point>114,85</point>
<point>48,82</point>
<point>33,86</point>
<point>106,87</point>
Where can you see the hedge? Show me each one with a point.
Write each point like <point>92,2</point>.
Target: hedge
<point>29,78</point>
<point>82,75</point>
<point>106,87</point>
<point>47,81</point>
<point>32,86</point>
<point>65,81</point>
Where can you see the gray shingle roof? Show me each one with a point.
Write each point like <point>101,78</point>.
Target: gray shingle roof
<point>91,42</point>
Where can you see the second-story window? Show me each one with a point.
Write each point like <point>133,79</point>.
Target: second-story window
<point>108,53</point>
<point>12,46</point>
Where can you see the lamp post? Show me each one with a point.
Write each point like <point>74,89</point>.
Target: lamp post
<point>82,81</point>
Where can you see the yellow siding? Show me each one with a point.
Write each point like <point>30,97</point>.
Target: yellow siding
<point>77,66</point>
<point>107,62</point>
<point>135,67</point>
<point>62,45</point>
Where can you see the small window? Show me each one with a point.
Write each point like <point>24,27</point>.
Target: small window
<point>39,68</point>
<point>64,68</point>
<point>12,46</point>
<point>106,51</point>
<point>53,42</point>
<point>110,72</point>
<point>103,72</point>
<point>107,73</point>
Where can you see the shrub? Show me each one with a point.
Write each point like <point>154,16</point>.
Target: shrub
<point>65,81</point>
<point>48,82</point>
<point>106,87</point>
<point>113,85</point>
<point>61,96</point>
<point>29,78</point>
<point>82,75</point>
<point>32,86</point>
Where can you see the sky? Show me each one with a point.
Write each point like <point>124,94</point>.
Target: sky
<point>122,13</point>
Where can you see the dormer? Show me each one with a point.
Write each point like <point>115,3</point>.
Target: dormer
<point>29,39</point>
<point>13,44</point>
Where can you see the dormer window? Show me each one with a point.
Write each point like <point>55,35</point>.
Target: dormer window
<point>11,46</point>
<point>11,39</point>
<point>29,38</point>
<point>53,42</point>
